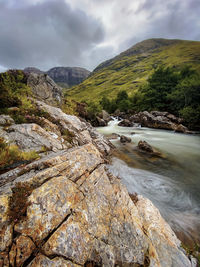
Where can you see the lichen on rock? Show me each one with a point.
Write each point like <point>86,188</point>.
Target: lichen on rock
<point>77,213</point>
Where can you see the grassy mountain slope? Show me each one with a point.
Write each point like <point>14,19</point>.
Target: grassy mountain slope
<point>129,70</point>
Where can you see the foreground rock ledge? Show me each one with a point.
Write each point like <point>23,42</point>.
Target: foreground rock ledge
<point>77,213</point>
<point>80,213</point>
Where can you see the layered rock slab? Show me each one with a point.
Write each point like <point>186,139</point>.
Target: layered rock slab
<point>101,218</point>
<point>161,235</point>
<point>33,137</point>
<point>80,213</point>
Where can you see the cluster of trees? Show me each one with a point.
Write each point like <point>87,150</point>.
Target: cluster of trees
<point>167,89</point>
<point>121,102</point>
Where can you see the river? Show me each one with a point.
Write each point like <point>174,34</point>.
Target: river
<point>171,182</point>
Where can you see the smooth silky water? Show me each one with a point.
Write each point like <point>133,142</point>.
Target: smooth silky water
<point>171,182</point>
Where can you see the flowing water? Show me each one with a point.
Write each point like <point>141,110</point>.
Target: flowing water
<point>171,182</point>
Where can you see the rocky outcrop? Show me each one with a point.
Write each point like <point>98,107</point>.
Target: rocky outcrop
<point>159,120</point>
<point>101,119</point>
<point>33,137</point>
<point>29,70</point>
<point>162,237</point>
<point>100,122</point>
<point>44,88</point>
<point>81,109</point>
<point>59,131</point>
<point>105,116</point>
<point>74,212</point>
<point>79,213</point>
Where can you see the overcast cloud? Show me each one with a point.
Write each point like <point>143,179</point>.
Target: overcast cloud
<point>49,33</point>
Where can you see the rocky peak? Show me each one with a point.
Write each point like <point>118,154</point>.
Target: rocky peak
<point>68,76</point>
<point>32,69</point>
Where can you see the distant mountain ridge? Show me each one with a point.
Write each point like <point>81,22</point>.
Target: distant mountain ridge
<point>64,76</point>
<point>130,69</point>
<point>139,48</point>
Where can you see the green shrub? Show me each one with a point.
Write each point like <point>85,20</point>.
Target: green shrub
<point>67,135</point>
<point>10,154</point>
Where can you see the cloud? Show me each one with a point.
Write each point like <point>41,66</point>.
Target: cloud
<point>45,34</point>
<point>171,19</point>
<point>48,33</point>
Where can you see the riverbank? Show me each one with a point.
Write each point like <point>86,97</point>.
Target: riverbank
<point>68,209</point>
<point>170,182</point>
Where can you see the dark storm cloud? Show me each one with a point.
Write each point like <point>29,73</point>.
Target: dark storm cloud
<point>48,33</point>
<point>45,34</point>
<point>167,19</point>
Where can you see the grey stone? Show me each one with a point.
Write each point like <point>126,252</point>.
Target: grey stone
<point>6,120</point>
<point>44,88</point>
<point>125,139</point>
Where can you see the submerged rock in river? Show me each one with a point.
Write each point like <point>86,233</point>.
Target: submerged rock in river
<point>125,139</point>
<point>144,146</point>
<point>147,148</point>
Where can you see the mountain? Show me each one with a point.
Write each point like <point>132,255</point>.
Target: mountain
<point>130,69</point>
<point>33,70</point>
<point>64,76</point>
<point>67,76</point>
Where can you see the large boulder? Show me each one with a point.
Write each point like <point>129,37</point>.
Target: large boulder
<point>100,122</point>
<point>81,109</point>
<point>105,116</point>
<point>181,129</point>
<point>44,88</point>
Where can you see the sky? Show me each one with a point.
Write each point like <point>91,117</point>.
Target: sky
<point>84,33</point>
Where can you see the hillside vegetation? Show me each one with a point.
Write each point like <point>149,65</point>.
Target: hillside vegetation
<point>177,92</point>
<point>131,69</point>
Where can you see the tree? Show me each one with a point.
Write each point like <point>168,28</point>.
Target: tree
<point>122,95</point>
<point>105,103</point>
<point>159,85</point>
